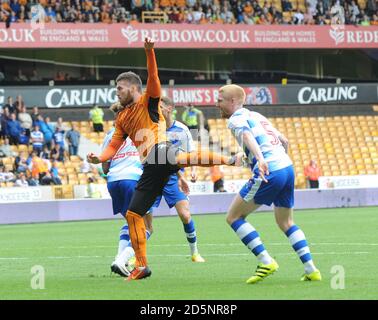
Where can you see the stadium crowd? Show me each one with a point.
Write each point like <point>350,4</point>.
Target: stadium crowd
<point>41,145</point>
<point>362,12</point>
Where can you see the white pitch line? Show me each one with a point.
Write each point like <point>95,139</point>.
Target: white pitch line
<point>205,245</point>
<point>181,255</point>
<point>230,244</point>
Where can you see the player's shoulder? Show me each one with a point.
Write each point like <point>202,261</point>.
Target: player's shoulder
<point>179,126</point>
<point>110,132</point>
<point>242,112</point>
<point>238,117</point>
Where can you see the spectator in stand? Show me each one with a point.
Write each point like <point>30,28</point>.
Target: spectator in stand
<point>19,103</point>
<point>38,167</point>
<point>46,153</point>
<point>20,76</point>
<point>57,153</point>
<point>59,137</point>
<point>191,3</point>
<point>286,6</point>
<point>199,76</point>
<point>47,179</point>
<point>298,17</point>
<point>13,130</point>
<point>6,175</point>
<point>217,176</point>
<point>326,4</point>
<point>50,14</point>
<point>26,120</point>
<point>312,173</point>
<point>35,76</point>
<point>92,189</point>
<point>365,21</point>
<point>174,16</point>
<point>354,11</point>
<point>46,129</point>
<point>4,117</point>
<point>320,9</point>
<point>35,114</point>
<point>37,140</point>
<point>59,124</point>
<point>55,173</point>
<point>5,149</point>
<point>192,118</point>
<point>73,139</point>
<point>15,6</point>
<point>21,163</point>
<point>24,138</point>
<point>371,7</point>
<point>96,115</point>
<point>21,180</point>
<point>374,20</point>
<point>337,13</point>
<point>178,11</point>
<point>60,76</point>
<point>10,105</point>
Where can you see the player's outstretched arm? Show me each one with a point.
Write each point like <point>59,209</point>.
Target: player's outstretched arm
<point>153,81</point>
<point>111,149</point>
<point>107,154</point>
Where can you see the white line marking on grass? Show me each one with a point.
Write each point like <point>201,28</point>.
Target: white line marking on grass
<point>229,245</point>
<point>181,255</point>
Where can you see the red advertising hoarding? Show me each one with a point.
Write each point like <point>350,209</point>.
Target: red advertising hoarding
<point>86,35</point>
<point>208,96</point>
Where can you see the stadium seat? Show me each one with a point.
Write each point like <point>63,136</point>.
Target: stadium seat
<point>325,139</point>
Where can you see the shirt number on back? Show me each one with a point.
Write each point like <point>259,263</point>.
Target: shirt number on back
<point>268,129</point>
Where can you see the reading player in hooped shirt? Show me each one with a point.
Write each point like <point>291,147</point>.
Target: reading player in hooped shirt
<point>272,182</point>
<point>141,120</point>
<point>180,136</point>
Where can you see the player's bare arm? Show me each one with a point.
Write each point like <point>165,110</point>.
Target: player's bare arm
<point>183,184</point>
<point>105,167</point>
<point>153,83</point>
<point>148,43</point>
<point>252,145</point>
<point>92,158</point>
<point>284,141</point>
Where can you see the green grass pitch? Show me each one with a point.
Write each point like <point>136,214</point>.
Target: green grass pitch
<point>76,257</point>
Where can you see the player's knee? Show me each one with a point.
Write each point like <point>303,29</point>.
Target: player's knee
<point>150,229</point>
<point>185,216</point>
<point>285,225</point>
<point>230,219</point>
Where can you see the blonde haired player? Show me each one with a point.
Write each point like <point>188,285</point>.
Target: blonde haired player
<point>272,182</point>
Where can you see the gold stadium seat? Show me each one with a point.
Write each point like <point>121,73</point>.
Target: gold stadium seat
<point>338,150</point>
